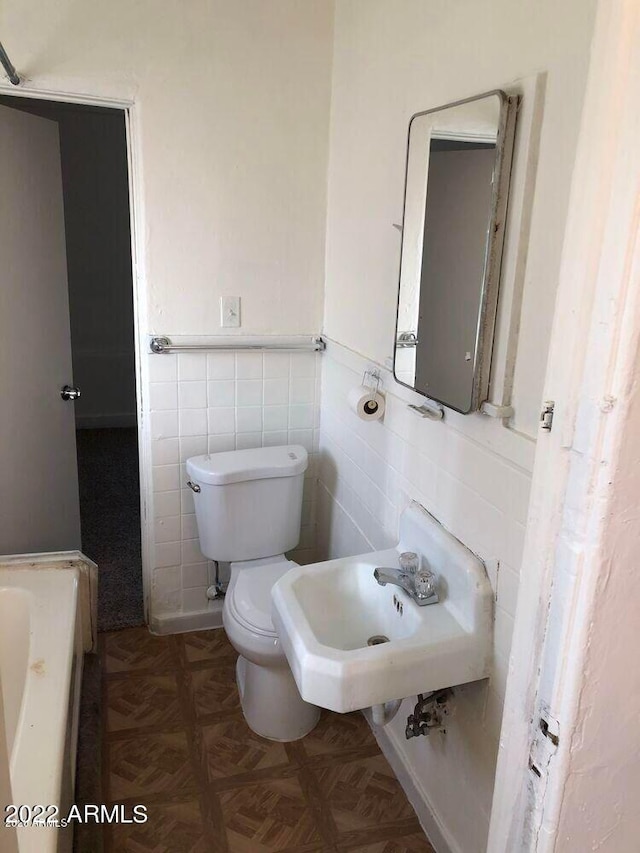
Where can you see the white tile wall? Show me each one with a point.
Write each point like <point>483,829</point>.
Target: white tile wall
<point>211,402</point>
<point>468,472</point>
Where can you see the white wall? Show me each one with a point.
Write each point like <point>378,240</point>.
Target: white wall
<point>391,60</point>
<point>230,134</point>
<point>232,102</point>
<point>598,806</point>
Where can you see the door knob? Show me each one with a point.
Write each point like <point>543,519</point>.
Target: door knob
<point>69,392</point>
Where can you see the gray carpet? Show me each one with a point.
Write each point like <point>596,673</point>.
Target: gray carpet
<point>110,518</point>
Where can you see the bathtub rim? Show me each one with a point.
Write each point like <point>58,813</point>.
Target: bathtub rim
<point>38,757</point>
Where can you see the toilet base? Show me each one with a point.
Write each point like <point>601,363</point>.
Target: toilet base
<point>271,703</point>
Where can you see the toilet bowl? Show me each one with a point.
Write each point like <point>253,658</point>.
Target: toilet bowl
<point>270,699</point>
<point>248,509</point>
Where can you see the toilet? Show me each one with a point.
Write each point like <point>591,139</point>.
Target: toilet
<point>248,508</point>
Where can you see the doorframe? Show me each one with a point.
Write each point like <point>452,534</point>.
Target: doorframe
<point>566,576</point>
<point>139,280</point>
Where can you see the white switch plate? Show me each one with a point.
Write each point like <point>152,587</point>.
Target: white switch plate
<point>229,312</point>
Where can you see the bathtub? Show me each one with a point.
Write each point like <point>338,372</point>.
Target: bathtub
<point>41,653</point>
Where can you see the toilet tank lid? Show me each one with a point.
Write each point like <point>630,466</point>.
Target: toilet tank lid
<point>260,463</point>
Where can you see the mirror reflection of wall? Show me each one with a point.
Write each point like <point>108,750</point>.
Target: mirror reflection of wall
<point>457,160</point>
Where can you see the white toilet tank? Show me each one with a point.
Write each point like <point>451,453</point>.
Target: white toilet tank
<point>248,502</point>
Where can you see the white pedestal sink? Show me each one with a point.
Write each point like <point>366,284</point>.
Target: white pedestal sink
<point>326,614</point>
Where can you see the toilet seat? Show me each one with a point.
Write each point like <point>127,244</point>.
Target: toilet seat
<point>249,594</point>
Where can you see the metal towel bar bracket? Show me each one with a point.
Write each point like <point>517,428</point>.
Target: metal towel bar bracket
<point>164,345</point>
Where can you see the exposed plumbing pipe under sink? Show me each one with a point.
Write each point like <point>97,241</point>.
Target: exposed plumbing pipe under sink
<point>385,712</point>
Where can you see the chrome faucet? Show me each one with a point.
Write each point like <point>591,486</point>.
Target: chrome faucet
<point>420,585</point>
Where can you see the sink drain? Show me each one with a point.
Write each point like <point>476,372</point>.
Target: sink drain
<point>377,639</point>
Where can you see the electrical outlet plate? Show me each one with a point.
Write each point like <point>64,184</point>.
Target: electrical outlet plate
<point>230,312</point>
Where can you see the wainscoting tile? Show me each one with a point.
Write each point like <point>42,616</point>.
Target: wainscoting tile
<point>222,443</point>
<point>249,392</point>
<point>249,419</point>
<point>276,392</point>
<point>248,365</point>
<point>167,554</point>
<point>194,599</point>
<point>165,451</point>
<point>192,445</point>
<point>248,440</point>
<point>167,529</point>
<point>274,438</point>
<point>222,421</point>
<point>193,422</point>
<point>195,575</point>
<point>221,365</point>
<point>192,395</point>
<point>166,478</point>
<point>277,365</point>
<point>221,393</point>
<point>224,401</point>
<point>166,504</point>
<point>275,418</point>
<point>164,424</point>
<point>301,416</point>
<point>192,366</point>
<point>163,368</point>
<point>163,396</point>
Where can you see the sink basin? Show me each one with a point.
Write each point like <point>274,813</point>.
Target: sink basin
<point>352,643</point>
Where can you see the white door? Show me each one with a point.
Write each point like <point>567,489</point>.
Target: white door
<point>39,508</point>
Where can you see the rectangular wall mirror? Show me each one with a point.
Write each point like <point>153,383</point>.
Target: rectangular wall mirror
<point>456,188</point>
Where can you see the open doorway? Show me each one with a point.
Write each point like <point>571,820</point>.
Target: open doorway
<point>97,242</point>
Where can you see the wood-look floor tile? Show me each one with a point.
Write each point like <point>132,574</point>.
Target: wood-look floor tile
<point>270,816</point>
<point>170,828</point>
<point>214,690</point>
<point>136,650</point>
<point>175,740</point>
<point>336,733</point>
<point>212,646</point>
<point>146,700</point>
<point>415,842</point>
<point>151,763</point>
<point>230,747</point>
<point>363,793</point>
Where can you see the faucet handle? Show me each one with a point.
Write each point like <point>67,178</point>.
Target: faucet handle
<point>425,584</point>
<point>409,562</point>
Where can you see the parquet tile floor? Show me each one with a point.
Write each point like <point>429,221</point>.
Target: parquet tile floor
<point>175,740</point>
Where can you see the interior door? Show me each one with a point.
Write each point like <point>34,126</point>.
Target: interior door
<point>39,508</point>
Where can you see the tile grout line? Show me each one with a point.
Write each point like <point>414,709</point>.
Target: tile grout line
<point>210,808</point>
<point>312,794</point>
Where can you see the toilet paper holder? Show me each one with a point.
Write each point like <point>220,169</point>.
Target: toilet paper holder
<point>375,385</point>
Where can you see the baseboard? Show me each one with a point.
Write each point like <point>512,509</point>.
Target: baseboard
<point>180,623</point>
<point>393,750</point>
<point>117,421</point>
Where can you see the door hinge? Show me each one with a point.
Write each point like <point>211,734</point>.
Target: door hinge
<point>544,746</point>
<point>546,415</point>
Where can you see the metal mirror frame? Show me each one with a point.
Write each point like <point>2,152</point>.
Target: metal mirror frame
<point>493,258</point>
